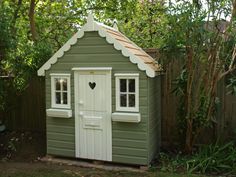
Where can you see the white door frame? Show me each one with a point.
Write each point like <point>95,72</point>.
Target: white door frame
<point>76,99</point>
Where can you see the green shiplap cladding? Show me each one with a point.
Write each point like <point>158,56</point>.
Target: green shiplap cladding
<point>154,121</point>
<point>131,142</point>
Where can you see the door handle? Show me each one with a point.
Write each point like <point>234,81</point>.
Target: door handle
<point>81,113</point>
<point>81,102</point>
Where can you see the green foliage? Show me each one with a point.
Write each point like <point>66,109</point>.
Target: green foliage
<point>55,23</point>
<point>6,39</point>
<point>9,148</point>
<point>204,45</point>
<point>180,83</point>
<point>214,158</point>
<point>179,90</point>
<point>143,22</point>
<point>232,86</point>
<point>26,60</point>
<point>6,42</point>
<point>171,164</point>
<point>147,24</point>
<point>211,159</point>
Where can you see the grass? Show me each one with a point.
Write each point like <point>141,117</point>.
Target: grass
<point>213,159</point>
<point>52,170</point>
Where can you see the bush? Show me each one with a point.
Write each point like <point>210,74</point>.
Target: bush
<point>214,159</point>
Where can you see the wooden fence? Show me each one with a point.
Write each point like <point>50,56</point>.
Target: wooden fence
<point>227,113</point>
<point>27,111</point>
<point>225,128</point>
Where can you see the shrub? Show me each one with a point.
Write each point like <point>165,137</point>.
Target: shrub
<point>213,159</point>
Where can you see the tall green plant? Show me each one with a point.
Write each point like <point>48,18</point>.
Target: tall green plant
<point>207,44</point>
<point>212,159</point>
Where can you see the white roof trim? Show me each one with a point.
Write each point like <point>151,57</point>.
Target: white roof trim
<point>60,74</point>
<point>92,25</point>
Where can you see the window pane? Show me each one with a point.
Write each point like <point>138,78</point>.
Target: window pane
<point>131,100</point>
<point>57,84</point>
<point>64,84</point>
<point>58,98</point>
<point>64,98</point>
<point>123,98</point>
<point>123,85</point>
<point>131,85</point>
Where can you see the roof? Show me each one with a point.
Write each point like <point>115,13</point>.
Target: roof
<point>113,36</point>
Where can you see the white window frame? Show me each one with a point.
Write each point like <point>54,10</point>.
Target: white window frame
<point>119,76</point>
<point>53,90</point>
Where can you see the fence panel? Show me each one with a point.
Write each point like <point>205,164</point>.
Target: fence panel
<point>28,109</point>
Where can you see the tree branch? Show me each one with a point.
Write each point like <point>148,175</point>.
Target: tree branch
<point>233,58</point>
<point>227,72</point>
<point>32,20</point>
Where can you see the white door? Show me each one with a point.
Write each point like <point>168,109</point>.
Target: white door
<point>93,114</point>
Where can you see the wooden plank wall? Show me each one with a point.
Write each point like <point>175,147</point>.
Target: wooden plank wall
<point>229,118</point>
<point>27,111</point>
<point>225,129</point>
<point>227,113</point>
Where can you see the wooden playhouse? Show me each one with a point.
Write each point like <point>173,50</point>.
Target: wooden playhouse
<point>103,98</point>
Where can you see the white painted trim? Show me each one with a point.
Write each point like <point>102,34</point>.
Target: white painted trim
<point>126,74</point>
<point>115,26</point>
<point>117,87</point>
<point>92,25</point>
<point>61,113</point>
<point>126,117</point>
<point>91,68</point>
<point>53,101</point>
<point>90,22</point>
<point>60,74</point>
<point>76,97</point>
<point>109,126</point>
<point>105,26</point>
<point>109,108</point>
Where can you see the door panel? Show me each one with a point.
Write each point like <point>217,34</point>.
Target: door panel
<point>93,115</point>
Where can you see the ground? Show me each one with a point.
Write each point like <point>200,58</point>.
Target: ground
<point>20,154</point>
<point>39,169</point>
<point>22,146</point>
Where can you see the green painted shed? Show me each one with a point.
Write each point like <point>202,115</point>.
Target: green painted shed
<point>103,98</point>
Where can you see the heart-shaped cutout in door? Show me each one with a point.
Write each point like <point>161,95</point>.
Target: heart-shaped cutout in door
<point>92,85</point>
